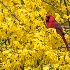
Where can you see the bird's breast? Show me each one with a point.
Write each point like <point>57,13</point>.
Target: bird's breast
<point>50,25</point>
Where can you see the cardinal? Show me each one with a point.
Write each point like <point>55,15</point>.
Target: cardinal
<point>52,23</point>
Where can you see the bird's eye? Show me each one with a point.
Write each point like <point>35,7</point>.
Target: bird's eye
<point>48,17</point>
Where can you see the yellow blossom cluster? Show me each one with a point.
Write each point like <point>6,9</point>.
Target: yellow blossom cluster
<point>25,41</point>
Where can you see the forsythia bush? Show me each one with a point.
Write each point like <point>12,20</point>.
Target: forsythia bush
<point>25,42</point>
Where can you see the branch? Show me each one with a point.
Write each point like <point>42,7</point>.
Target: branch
<point>67,12</point>
<point>66,27</point>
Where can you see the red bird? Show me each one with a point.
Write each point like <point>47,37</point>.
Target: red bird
<point>52,23</point>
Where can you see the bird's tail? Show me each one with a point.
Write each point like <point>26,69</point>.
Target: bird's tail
<point>65,42</point>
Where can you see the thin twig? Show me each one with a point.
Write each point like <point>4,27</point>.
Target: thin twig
<point>67,12</point>
<point>66,27</point>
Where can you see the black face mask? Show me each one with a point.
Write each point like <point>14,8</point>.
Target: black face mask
<point>47,19</point>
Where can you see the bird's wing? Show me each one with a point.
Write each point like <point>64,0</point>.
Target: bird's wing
<point>59,28</point>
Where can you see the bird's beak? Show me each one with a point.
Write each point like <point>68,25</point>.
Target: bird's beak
<point>46,18</point>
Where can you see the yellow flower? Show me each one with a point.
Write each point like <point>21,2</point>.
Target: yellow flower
<point>56,66</point>
<point>46,67</point>
<point>67,57</point>
<point>57,17</point>
<point>62,20</point>
<point>58,1</point>
<point>63,8</point>
<point>69,16</point>
<point>65,16</point>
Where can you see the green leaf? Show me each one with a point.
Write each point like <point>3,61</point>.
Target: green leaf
<point>1,43</point>
<point>69,29</point>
